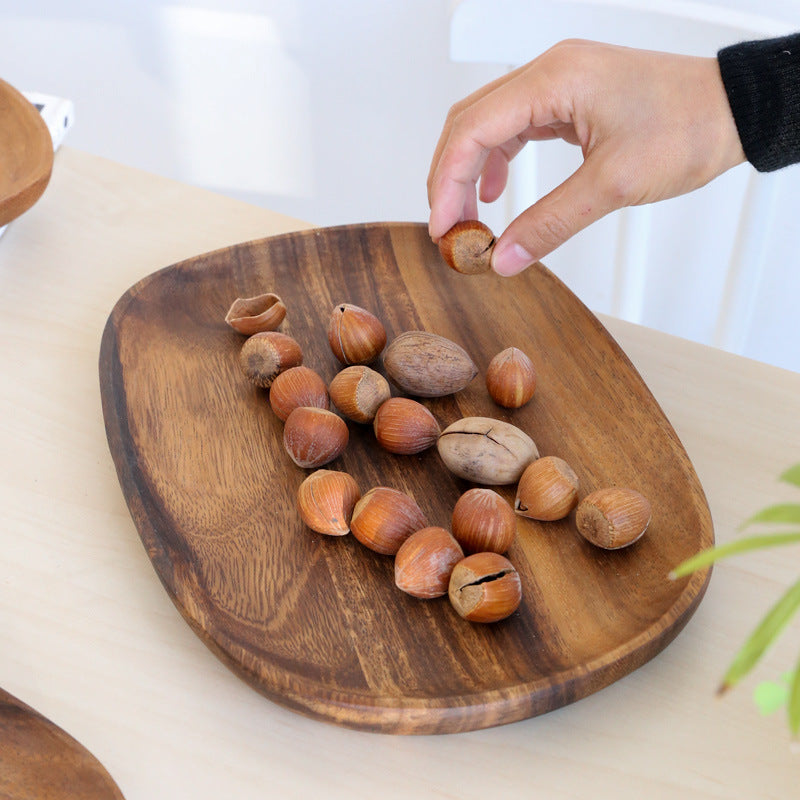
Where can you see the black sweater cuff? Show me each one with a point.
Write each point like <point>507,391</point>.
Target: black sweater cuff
<point>762,80</point>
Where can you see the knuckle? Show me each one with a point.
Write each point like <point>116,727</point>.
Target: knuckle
<point>552,229</point>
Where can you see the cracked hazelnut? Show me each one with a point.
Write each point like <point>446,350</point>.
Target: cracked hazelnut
<point>485,587</point>
<point>467,247</point>
<point>249,315</point>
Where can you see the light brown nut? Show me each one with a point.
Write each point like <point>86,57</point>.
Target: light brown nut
<point>297,387</point>
<point>384,518</point>
<point>249,315</point>
<point>547,490</point>
<point>356,336</point>
<point>485,587</point>
<point>614,517</point>
<point>486,450</point>
<point>482,520</point>
<point>326,499</point>
<point>313,436</point>
<point>358,392</point>
<point>427,365</point>
<point>405,427</point>
<point>265,355</point>
<point>467,247</point>
<point>511,378</point>
<point>424,562</point>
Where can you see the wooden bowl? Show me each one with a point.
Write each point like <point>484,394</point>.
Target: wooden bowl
<point>26,154</point>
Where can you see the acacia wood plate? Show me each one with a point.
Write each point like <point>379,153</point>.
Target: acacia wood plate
<point>40,761</point>
<point>315,622</point>
<point>26,154</point>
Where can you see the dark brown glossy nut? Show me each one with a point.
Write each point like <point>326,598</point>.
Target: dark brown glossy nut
<point>467,247</point>
<point>326,500</point>
<point>547,490</point>
<point>249,315</point>
<point>356,336</point>
<point>482,520</point>
<point>613,518</point>
<point>384,518</point>
<point>485,587</point>
<point>511,378</point>
<point>405,427</point>
<point>265,355</point>
<point>358,392</point>
<point>297,387</point>
<point>424,562</point>
<point>313,436</point>
<point>428,365</point>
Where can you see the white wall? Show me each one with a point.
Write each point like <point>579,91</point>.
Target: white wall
<point>330,112</point>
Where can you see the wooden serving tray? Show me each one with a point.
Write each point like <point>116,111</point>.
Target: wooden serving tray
<point>316,623</point>
<point>40,761</point>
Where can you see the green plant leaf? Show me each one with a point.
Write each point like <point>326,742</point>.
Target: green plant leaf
<point>707,557</point>
<point>781,513</point>
<point>793,702</point>
<point>792,475</point>
<point>761,638</point>
<point>769,696</point>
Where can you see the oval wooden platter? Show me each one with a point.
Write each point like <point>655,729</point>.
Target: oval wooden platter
<point>40,761</point>
<point>315,622</point>
<point>26,154</point>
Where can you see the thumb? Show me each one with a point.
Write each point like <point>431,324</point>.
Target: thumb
<point>548,223</point>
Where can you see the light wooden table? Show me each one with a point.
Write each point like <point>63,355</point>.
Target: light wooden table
<point>91,640</point>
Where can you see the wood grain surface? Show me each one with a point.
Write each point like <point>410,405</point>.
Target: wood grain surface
<point>316,623</point>
<point>26,154</point>
<point>40,761</point>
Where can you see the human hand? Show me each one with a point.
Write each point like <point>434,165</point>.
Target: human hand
<point>650,125</point>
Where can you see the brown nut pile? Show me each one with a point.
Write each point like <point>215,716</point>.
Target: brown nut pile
<point>430,560</point>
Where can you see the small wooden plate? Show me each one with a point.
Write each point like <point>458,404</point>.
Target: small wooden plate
<point>316,623</point>
<point>39,760</point>
<point>26,154</point>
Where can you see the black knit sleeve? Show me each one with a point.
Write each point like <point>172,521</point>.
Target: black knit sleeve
<point>762,80</point>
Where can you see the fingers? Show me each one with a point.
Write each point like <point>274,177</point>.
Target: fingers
<point>528,104</point>
<point>581,200</point>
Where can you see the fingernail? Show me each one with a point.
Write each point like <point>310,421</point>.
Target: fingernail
<point>509,259</point>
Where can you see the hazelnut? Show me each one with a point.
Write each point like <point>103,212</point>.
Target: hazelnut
<point>427,365</point>
<point>265,355</point>
<point>314,436</point>
<point>358,392</point>
<point>511,378</point>
<point>297,387</point>
<point>326,499</point>
<point>355,335</point>
<point>424,562</point>
<point>486,450</point>
<point>483,520</point>
<point>249,315</point>
<point>405,427</point>
<point>467,247</point>
<point>485,587</point>
<point>384,518</point>
<point>613,518</point>
<point>547,490</point>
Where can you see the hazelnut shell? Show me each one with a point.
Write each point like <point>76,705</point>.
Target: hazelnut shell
<point>424,562</point>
